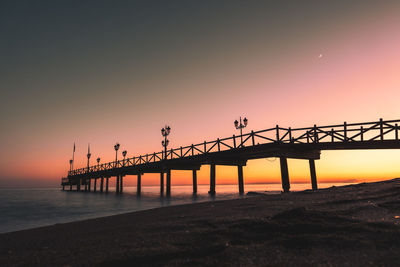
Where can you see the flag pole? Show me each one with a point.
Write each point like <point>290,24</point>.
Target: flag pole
<point>73,157</point>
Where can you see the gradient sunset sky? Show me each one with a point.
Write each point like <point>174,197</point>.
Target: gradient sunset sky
<point>102,72</point>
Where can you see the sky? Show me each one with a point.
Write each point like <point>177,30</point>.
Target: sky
<point>102,72</point>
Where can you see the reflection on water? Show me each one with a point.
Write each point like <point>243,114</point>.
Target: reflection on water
<point>29,208</point>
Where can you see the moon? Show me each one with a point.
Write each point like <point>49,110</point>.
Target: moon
<point>320,56</point>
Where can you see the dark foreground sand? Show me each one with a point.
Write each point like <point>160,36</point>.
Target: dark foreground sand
<point>344,226</point>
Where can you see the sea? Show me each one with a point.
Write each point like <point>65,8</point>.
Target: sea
<point>25,208</point>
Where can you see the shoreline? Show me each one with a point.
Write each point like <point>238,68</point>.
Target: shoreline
<point>363,219</point>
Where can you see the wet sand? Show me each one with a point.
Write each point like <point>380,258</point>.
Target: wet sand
<point>357,225</point>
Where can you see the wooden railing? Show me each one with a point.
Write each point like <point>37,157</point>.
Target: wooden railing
<point>352,132</point>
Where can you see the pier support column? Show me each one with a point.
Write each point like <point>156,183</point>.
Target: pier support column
<point>285,175</point>
<point>85,185</point>
<point>168,183</point>
<point>70,186</point>
<point>63,188</point>
<point>212,179</point>
<point>95,185</point>
<point>161,183</point>
<point>107,184</point>
<point>117,184</point>
<point>90,182</point>
<point>313,175</point>
<point>139,184</point>
<point>194,181</point>
<point>121,183</point>
<point>240,180</point>
<point>101,184</point>
<point>78,185</point>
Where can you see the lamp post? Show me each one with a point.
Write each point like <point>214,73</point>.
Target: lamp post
<point>70,164</point>
<point>165,132</point>
<point>241,126</point>
<point>124,155</point>
<point>98,162</point>
<point>88,157</point>
<point>116,147</point>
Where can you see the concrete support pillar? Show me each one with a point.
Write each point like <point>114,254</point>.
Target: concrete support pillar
<point>212,179</point>
<point>117,184</point>
<point>240,180</point>
<point>95,185</point>
<point>63,188</point>
<point>168,183</point>
<point>101,184</point>
<point>107,184</point>
<point>78,185</point>
<point>90,182</point>
<point>121,183</point>
<point>313,175</point>
<point>285,175</point>
<point>194,181</point>
<point>70,186</point>
<point>85,185</point>
<point>139,184</point>
<point>161,183</point>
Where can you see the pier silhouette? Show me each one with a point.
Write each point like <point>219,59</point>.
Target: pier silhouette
<point>294,143</point>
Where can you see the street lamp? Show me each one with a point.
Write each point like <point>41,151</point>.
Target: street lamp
<point>124,155</point>
<point>70,164</point>
<point>88,157</point>
<point>165,132</point>
<point>241,126</point>
<point>116,147</point>
<point>98,161</point>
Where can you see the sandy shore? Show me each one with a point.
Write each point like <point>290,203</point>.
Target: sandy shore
<point>340,226</point>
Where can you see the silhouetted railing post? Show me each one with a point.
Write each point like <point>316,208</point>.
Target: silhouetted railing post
<point>396,132</point>
<point>234,141</point>
<point>381,128</point>
<point>290,135</point>
<point>315,134</point>
<point>277,133</point>
<point>345,131</point>
<point>333,135</point>
<point>362,133</point>
<point>252,138</point>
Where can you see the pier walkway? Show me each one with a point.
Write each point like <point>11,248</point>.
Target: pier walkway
<point>283,143</point>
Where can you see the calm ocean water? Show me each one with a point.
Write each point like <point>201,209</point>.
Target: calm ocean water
<point>24,208</point>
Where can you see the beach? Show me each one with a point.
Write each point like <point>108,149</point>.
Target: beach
<point>339,226</point>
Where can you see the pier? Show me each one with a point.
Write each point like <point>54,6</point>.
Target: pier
<point>280,142</point>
